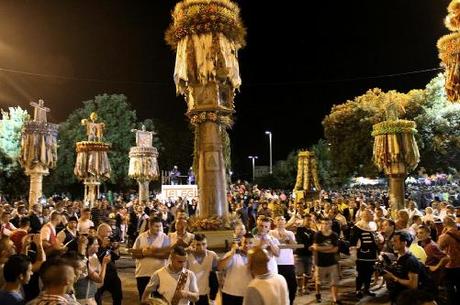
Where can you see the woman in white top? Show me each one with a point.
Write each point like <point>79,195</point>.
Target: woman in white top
<point>86,286</point>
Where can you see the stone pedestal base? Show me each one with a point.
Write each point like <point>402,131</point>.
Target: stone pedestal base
<point>91,191</point>
<point>143,191</point>
<point>396,192</point>
<point>211,168</point>
<point>218,239</point>
<point>36,180</point>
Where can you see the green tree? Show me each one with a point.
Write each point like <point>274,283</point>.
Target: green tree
<point>10,132</point>
<point>119,118</point>
<point>284,174</point>
<point>13,182</point>
<point>438,129</point>
<point>348,128</point>
<point>327,174</point>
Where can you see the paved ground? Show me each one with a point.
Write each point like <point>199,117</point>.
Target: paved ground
<point>347,285</point>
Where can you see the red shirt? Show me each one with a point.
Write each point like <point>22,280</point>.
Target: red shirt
<point>433,252</point>
<point>451,246</point>
<point>17,237</point>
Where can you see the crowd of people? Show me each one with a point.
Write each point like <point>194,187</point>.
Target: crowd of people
<point>63,252</point>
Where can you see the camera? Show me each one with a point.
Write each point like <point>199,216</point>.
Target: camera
<point>383,264</point>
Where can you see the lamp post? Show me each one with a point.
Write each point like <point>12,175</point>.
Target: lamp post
<point>269,133</point>
<point>253,166</point>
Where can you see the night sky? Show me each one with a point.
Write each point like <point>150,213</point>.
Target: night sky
<point>301,58</point>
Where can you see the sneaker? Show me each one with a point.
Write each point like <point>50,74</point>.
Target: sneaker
<point>367,292</point>
<point>318,298</point>
<point>359,294</point>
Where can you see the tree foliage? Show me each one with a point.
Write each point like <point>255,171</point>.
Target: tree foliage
<point>284,173</point>
<point>119,118</point>
<point>348,128</point>
<point>13,181</point>
<point>328,176</point>
<point>439,129</point>
<point>10,133</point>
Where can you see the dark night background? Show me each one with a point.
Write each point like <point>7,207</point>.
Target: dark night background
<point>301,58</point>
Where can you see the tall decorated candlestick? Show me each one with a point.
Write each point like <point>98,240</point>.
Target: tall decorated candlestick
<point>307,180</point>
<point>38,149</point>
<point>206,35</point>
<point>449,52</point>
<point>395,151</point>
<point>92,165</point>
<point>143,164</point>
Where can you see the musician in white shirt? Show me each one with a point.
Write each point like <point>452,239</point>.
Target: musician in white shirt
<point>202,262</point>
<point>173,283</point>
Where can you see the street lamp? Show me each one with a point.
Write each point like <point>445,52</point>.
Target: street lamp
<point>271,154</point>
<point>253,166</point>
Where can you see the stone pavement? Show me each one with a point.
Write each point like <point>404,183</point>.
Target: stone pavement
<point>346,288</point>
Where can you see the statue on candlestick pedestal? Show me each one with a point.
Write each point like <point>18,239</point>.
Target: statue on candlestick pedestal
<point>94,130</point>
<point>92,164</point>
<point>38,149</point>
<point>143,164</point>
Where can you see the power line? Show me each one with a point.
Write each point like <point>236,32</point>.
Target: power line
<point>306,82</point>
<point>94,80</point>
<point>343,80</point>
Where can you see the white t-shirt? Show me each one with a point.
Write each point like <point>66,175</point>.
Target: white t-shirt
<point>286,256</point>
<point>237,276</point>
<point>84,225</point>
<point>146,266</point>
<point>188,237</point>
<point>202,269</point>
<point>272,264</point>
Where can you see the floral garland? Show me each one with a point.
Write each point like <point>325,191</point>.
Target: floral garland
<point>204,116</point>
<point>452,21</point>
<point>300,164</point>
<point>394,127</point>
<point>449,47</point>
<point>214,223</point>
<point>85,146</point>
<point>449,51</point>
<point>307,172</point>
<point>314,173</point>
<point>202,17</point>
<point>42,128</point>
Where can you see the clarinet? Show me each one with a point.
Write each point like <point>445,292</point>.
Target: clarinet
<point>180,285</point>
